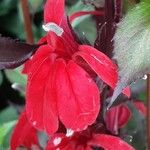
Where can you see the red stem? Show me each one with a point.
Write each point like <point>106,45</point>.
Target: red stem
<point>27,21</point>
<point>82,13</point>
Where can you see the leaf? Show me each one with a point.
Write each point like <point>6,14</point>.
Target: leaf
<point>15,76</point>
<point>4,130</point>
<point>132,46</point>
<point>14,53</point>
<point>6,6</point>
<point>8,114</point>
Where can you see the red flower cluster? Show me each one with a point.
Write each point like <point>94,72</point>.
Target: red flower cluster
<point>61,88</point>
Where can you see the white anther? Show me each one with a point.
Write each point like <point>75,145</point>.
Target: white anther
<point>69,132</point>
<point>57,141</point>
<point>51,26</point>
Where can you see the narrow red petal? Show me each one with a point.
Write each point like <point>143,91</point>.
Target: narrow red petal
<point>41,105</point>
<point>109,142</point>
<point>82,13</point>
<point>77,96</point>
<point>100,63</point>
<point>117,117</point>
<point>24,134</point>
<point>54,11</point>
<point>64,45</point>
<point>140,106</point>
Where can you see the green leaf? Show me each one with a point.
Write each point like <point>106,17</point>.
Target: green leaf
<point>8,114</point>
<point>4,131</point>
<point>132,46</point>
<point>6,5</point>
<point>35,4</point>
<point>15,76</point>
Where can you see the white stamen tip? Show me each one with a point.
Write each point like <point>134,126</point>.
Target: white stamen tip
<point>51,26</point>
<point>57,141</point>
<point>69,132</point>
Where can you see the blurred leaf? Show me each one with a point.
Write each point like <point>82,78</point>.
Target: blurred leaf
<point>13,26</point>
<point>15,76</point>
<point>6,6</point>
<point>35,5</point>
<point>89,31</point>
<point>135,131</point>
<point>142,96</point>
<point>8,114</point>
<point>1,78</point>
<point>132,46</point>
<point>5,133</point>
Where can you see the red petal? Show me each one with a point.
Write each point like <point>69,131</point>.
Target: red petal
<point>41,54</point>
<point>109,142</point>
<point>41,105</point>
<point>117,117</point>
<point>100,63</point>
<point>54,11</point>
<point>77,107</point>
<point>140,107</point>
<point>60,141</point>
<point>82,13</point>
<point>127,91</point>
<point>24,134</point>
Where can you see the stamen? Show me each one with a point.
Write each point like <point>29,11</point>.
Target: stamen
<point>51,26</point>
<point>69,132</point>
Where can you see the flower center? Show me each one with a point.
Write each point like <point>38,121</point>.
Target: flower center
<point>51,26</point>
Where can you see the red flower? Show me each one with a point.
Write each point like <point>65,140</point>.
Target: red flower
<point>117,117</point>
<point>24,134</point>
<point>60,76</point>
<point>140,106</point>
<point>85,140</point>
